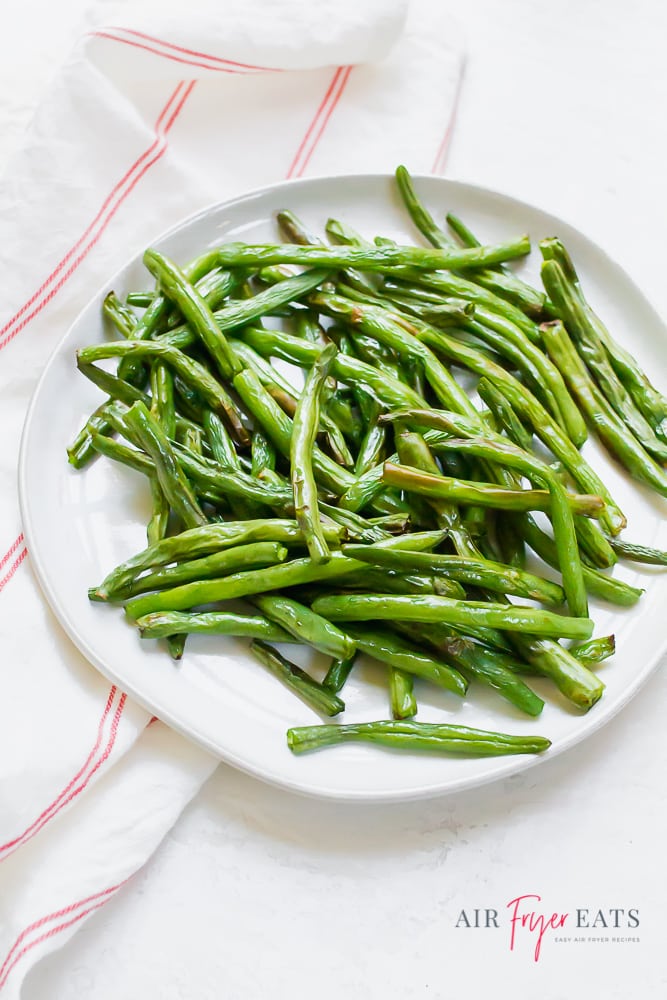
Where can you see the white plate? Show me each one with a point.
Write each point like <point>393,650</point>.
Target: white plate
<point>79,525</point>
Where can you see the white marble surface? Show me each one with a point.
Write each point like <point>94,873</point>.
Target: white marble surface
<point>257,893</point>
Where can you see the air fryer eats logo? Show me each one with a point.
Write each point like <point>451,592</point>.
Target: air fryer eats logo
<point>529,923</point>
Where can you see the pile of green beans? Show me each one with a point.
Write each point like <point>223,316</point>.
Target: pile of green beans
<point>380,509</point>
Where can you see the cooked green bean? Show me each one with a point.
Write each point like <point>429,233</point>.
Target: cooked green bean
<point>401,694</point>
<point>502,410</point>
<point>421,736</point>
<point>254,555</point>
<point>432,608</point>
<point>315,695</point>
<point>305,625</point>
<point>338,673</point>
<point>372,258</point>
<point>158,626</point>
<point>595,650</point>
<point>638,553</point>
<point>304,431</point>
<point>483,494</point>
<point>173,483</point>
<point>175,286</point>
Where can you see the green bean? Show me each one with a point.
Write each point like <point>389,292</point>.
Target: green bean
<point>372,444</point>
<point>305,625</point>
<point>572,310</point>
<point>432,287</point>
<point>371,258</point>
<point>278,428</point>
<point>298,681</point>
<point>218,564</point>
<point>308,328</point>
<point>293,230</point>
<point>225,455</point>
<point>121,453</point>
<point>273,381</point>
<point>572,678</point>
<point>263,453</point>
<point>339,408</point>
<point>595,650</point>
<point>431,607</point>
<point>162,398</point>
<point>338,673</point>
<point>472,572</point>
<point>401,694</point>
<point>159,626</point>
<point>504,414</point>
<point>81,450</point>
<point>157,526</point>
<point>383,580</point>
<point>416,452</point>
<point>139,300</point>
<point>122,318</point>
<point>364,490</point>
<point>402,655</point>
<point>282,392</point>
<point>444,312</point>
<point>175,286</point>
<point>510,342</point>
<point>594,545</point>
<point>173,483</point>
<point>638,553</point>
<point>483,494</point>
<point>510,542</point>
<point>304,431</point>
<point>395,524</point>
<point>222,448</point>
<point>422,736</point>
<point>164,410</point>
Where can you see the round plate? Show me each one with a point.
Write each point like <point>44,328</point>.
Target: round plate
<point>79,525</point>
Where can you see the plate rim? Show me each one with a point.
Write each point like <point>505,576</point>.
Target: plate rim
<point>512,764</point>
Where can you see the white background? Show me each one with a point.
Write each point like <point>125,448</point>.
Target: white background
<point>257,893</point>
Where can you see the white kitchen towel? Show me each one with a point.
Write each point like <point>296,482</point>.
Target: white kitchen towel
<point>158,112</point>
